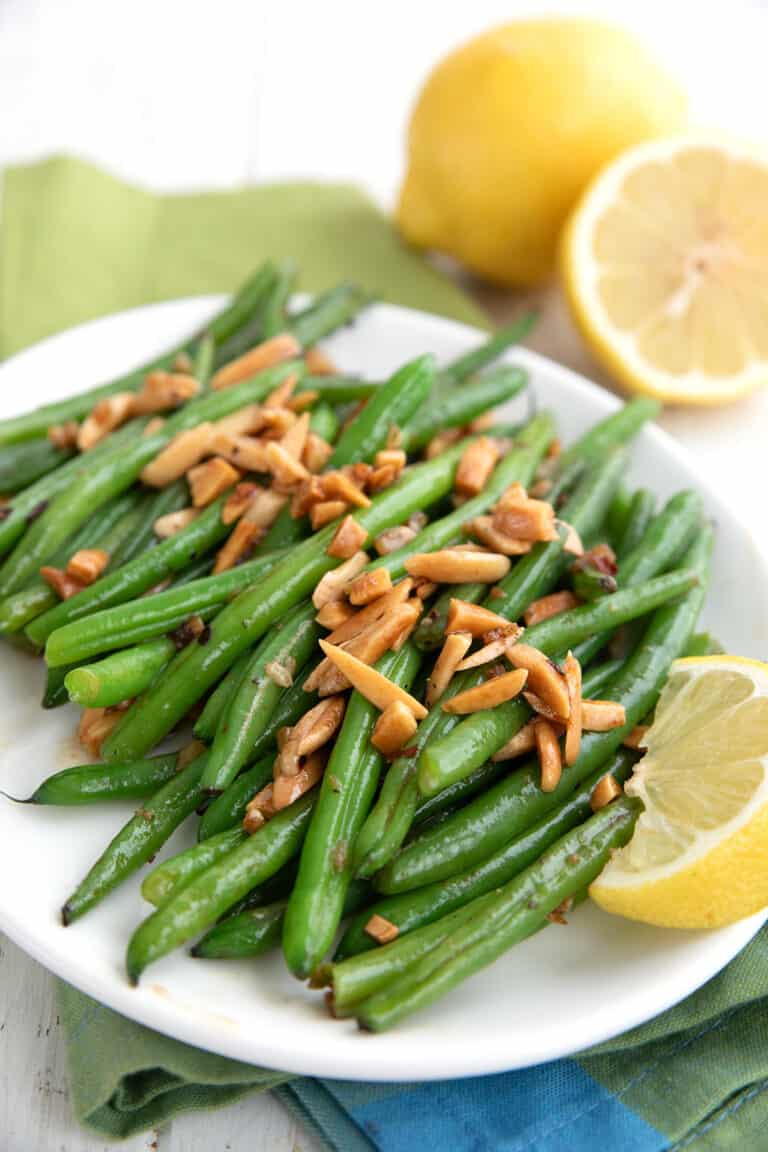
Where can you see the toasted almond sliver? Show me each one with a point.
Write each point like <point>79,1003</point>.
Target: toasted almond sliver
<point>174,522</point>
<point>303,401</point>
<point>548,748</point>
<point>279,348</point>
<point>526,520</point>
<point>572,673</point>
<point>466,617</point>
<point>326,511</point>
<point>335,614</point>
<point>184,451</point>
<point>488,653</point>
<point>315,729</point>
<point>605,792</point>
<point>243,422</point>
<point>391,458</point>
<point>338,486</point>
<point>87,564</point>
<point>263,507</point>
<point>603,715</point>
<point>286,470</point>
<point>107,415</point>
<point>393,538</point>
<point>544,677</point>
<point>416,608</point>
<point>261,808</point>
<point>165,390</point>
<point>348,539</point>
<point>279,397</point>
<point>572,542</point>
<point>477,462</point>
<point>153,425</point>
<point>237,546</point>
<point>547,606</point>
<point>370,683</point>
<point>332,585</point>
<point>541,708</point>
<point>393,729</point>
<point>281,674</point>
<point>357,622</point>
<point>381,930</point>
<point>295,439</point>
<point>209,480</point>
<point>95,725</point>
<point>237,502</point>
<point>521,743</point>
<point>63,585</point>
<point>369,586</point>
<point>319,363</point>
<point>317,452</point>
<point>383,477</point>
<point>425,588</point>
<point>443,440</point>
<point>457,566</point>
<point>488,695</point>
<point>483,528</point>
<point>286,789</point>
<point>243,451</point>
<point>64,435</point>
<point>369,645</point>
<point>452,653</point>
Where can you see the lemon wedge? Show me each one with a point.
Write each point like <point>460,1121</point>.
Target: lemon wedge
<point>699,855</point>
<point>665,266</point>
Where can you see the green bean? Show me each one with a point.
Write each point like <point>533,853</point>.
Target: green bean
<point>130,621</point>
<point>703,644</point>
<point>117,472</point>
<point>293,639</point>
<point>484,354</point>
<point>120,676</point>
<point>339,389</point>
<point>228,809</point>
<point>315,906</point>
<point>207,896</point>
<point>55,692</point>
<point>393,405</point>
<point>202,364</point>
<point>590,583</point>
<point>93,783</point>
<point>618,428</point>
<point>139,839</point>
<point>171,876</point>
<point>218,701</point>
<point>274,318</point>
<point>569,865</point>
<point>242,622</point>
<point>506,810</point>
<point>166,500</point>
<point>640,515</point>
<point>221,327</point>
<point>618,514</point>
<point>323,421</point>
<point>410,910</point>
<point>326,313</point>
<point>454,407</point>
<point>23,464</point>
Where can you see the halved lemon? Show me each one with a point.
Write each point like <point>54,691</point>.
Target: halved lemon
<point>699,855</point>
<point>665,266</point>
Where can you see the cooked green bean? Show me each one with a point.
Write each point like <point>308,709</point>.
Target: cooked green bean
<point>120,676</point>
<point>454,407</point>
<point>23,464</point>
<point>327,312</point>
<point>94,783</point>
<point>393,405</point>
<point>228,809</point>
<point>274,316</point>
<point>479,357</point>
<point>640,515</point>
<point>171,876</point>
<point>166,500</point>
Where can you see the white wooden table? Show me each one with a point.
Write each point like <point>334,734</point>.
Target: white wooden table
<point>180,95</point>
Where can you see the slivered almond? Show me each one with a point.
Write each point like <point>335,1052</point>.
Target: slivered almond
<point>237,502</point>
<point>261,808</point>
<point>165,390</point>
<point>452,653</point>
<point>487,653</point>
<point>326,511</point>
<point>526,519</point>
<point>572,542</point>
<point>417,608</point>
<point>303,401</point>
<point>319,363</point>
<point>107,415</point>
<point>605,792</point>
<point>63,585</point>
<point>274,351</point>
<point>295,439</point>
<point>425,588</point>
<point>521,743</point>
<point>572,673</point>
<point>442,441</point>
<point>153,425</point>
<point>603,715</point>
<point>281,674</point>
<point>243,422</point>
<point>381,930</point>
<point>338,486</point>
<point>335,614</point>
<point>537,704</point>
<point>368,646</point>
<point>279,397</point>
<point>64,435</point>
<point>377,688</point>
<point>548,749</point>
<point>174,522</point>
<point>357,622</point>
<point>391,458</point>
<point>348,539</point>
<point>309,493</point>
<point>263,507</point>
<point>488,695</point>
<point>466,617</point>
<point>332,585</point>
<point>544,677</point>
<point>317,452</point>
<point>393,538</point>
<point>369,586</point>
<point>207,481</point>
<point>482,422</point>
<point>477,462</point>
<point>287,789</point>
<point>316,728</point>
<point>457,566</point>
<point>286,470</point>
<point>87,564</point>
<point>394,436</point>
<point>238,545</point>
<point>394,727</point>
<point>511,496</point>
<point>182,362</point>
<point>243,451</point>
<point>483,528</point>
<point>547,606</point>
<point>383,477</point>
<point>94,727</point>
<point>274,423</point>
<point>184,451</point>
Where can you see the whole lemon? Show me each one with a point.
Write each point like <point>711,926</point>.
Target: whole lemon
<point>510,128</point>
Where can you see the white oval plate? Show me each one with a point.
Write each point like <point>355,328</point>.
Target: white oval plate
<point>565,989</point>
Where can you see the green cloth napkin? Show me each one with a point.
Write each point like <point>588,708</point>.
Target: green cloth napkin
<point>76,243</point>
